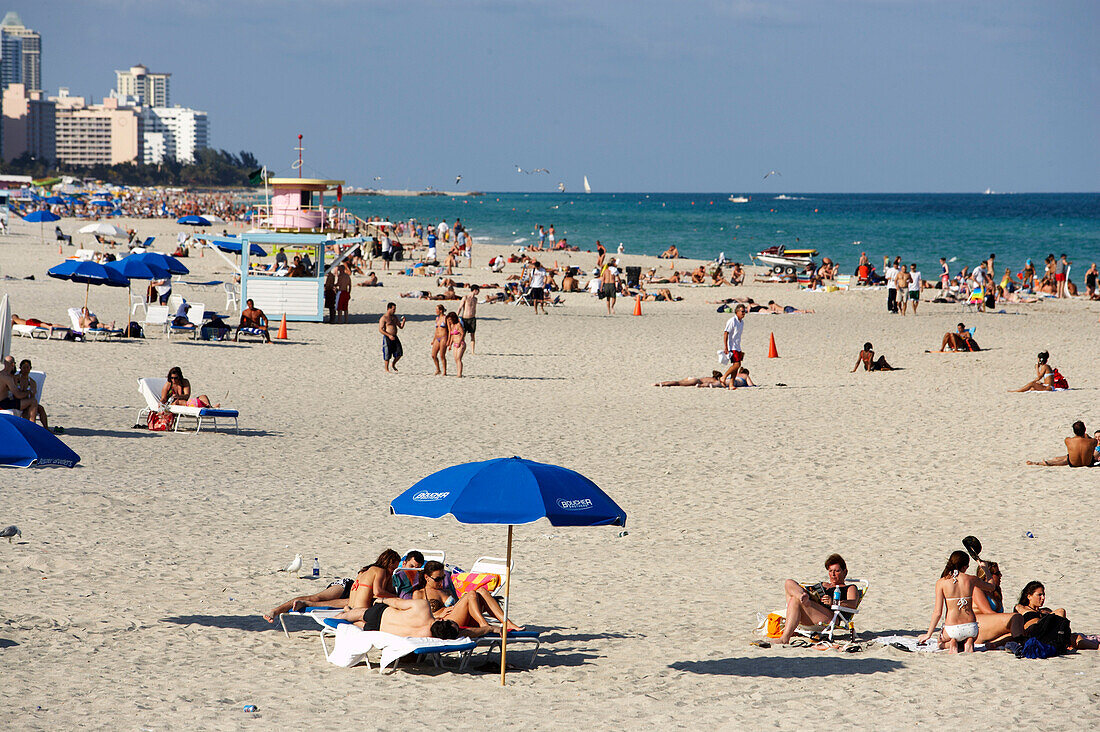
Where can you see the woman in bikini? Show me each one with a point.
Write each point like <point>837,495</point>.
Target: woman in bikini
<point>468,610</point>
<point>374,582</point>
<point>995,624</point>
<point>457,339</point>
<point>177,390</point>
<point>954,589</point>
<point>1044,376</point>
<point>439,340</point>
<point>867,359</point>
<point>1031,606</point>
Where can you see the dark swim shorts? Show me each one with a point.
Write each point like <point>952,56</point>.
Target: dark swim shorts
<point>391,348</point>
<point>10,403</point>
<point>372,618</point>
<point>469,325</point>
<point>346,583</point>
<point>608,290</point>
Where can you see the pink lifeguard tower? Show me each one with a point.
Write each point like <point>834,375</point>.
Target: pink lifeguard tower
<point>298,205</point>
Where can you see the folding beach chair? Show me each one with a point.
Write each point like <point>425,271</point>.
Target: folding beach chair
<point>156,315</point>
<point>151,387</point>
<point>843,619</point>
<point>97,334</point>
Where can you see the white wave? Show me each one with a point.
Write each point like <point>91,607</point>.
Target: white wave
<point>785,197</point>
<point>520,240</point>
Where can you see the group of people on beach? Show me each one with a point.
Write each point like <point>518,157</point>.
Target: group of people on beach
<point>19,392</point>
<point>451,330</point>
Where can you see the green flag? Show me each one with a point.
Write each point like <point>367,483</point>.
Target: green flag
<point>256,177</point>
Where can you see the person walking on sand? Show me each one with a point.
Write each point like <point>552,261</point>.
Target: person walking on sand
<point>903,279</point>
<point>467,311</point>
<point>915,285</point>
<point>440,340</point>
<point>609,285</point>
<point>731,344</point>
<point>891,275</point>
<point>343,292</point>
<point>537,291</point>
<point>388,325</point>
<point>457,340</point>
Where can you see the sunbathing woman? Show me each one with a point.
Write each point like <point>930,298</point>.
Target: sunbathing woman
<point>955,589</point>
<point>867,358</point>
<point>177,390</point>
<point>374,582</point>
<point>777,309</point>
<point>25,383</point>
<point>1044,376</point>
<point>439,340</point>
<point>995,626</point>
<point>1030,606</point>
<point>960,340</point>
<point>715,379</point>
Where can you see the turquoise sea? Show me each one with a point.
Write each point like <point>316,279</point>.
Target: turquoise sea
<point>918,227</point>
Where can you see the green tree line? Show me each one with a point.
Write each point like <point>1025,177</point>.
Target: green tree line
<point>211,168</point>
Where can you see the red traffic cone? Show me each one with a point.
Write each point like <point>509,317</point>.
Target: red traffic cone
<point>772,352</point>
<point>59,248</point>
<point>282,329</point>
<point>638,305</point>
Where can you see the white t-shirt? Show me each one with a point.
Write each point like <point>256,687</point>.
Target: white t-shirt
<point>538,278</point>
<point>734,326</point>
<point>891,275</point>
<point>914,286</point>
<point>979,275</point>
<point>387,245</point>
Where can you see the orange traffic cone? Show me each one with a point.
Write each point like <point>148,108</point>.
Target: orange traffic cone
<point>638,305</point>
<point>282,329</point>
<point>59,248</point>
<point>772,353</point>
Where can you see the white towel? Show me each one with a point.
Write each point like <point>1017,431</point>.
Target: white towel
<point>352,645</point>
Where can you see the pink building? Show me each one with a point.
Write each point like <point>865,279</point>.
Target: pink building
<point>298,204</point>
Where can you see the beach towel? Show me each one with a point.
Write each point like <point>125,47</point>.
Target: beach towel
<point>352,645</point>
<point>473,581</point>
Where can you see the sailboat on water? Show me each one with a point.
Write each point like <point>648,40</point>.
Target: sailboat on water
<point>587,188</point>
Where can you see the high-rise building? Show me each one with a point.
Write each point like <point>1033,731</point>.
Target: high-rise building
<point>144,87</point>
<point>11,60</point>
<point>30,125</point>
<point>101,134</point>
<point>30,73</point>
<point>173,132</point>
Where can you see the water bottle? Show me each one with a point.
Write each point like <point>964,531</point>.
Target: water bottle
<point>316,569</point>
<point>250,708</point>
<point>837,595</point>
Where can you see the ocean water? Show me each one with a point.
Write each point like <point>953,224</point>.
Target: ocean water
<point>920,228</point>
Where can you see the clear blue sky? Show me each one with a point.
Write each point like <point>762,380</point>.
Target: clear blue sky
<point>684,95</point>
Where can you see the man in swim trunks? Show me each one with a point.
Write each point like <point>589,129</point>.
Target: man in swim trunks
<point>253,317</point>
<point>11,396</point>
<point>467,312</point>
<point>1080,450</point>
<point>409,619</point>
<point>391,345</point>
<point>813,605</point>
<point>731,344</point>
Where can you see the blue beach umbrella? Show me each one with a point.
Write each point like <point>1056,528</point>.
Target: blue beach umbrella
<point>192,221</point>
<point>164,261</point>
<point>136,267</point>
<point>56,201</point>
<point>24,443</point>
<point>40,217</point>
<point>235,246</point>
<point>509,491</point>
<point>103,204</point>
<point>89,273</point>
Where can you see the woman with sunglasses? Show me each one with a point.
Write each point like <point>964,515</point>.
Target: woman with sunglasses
<point>468,611</point>
<point>995,625</point>
<point>177,390</point>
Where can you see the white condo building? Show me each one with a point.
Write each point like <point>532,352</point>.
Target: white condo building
<point>173,132</point>
<point>146,88</point>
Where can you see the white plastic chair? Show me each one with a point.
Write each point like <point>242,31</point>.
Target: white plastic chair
<point>156,315</point>
<point>230,295</point>
<point>137,301</point>
<point>39,378</point>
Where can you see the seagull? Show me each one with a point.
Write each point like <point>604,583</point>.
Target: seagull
<point>541,170</point>
<point>378,177</point>
<point>561,187</point>
<point>11,531</point>
<point>774,172</point>
<point>457,179</point>
<point>295,564</point>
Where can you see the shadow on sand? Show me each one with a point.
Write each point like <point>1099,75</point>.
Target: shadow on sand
<point>793,667</point>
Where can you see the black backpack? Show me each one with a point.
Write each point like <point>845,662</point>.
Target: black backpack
<point>134,330</point>
<point>1053,630</point>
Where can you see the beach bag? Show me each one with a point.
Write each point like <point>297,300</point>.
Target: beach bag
<point>1058,381</point>
<point>473,581</point>
<point>1052,630</point>
<point>161,421</point>
<point>773,625</point>
<point>1035,648</point>
<point>134,330</point>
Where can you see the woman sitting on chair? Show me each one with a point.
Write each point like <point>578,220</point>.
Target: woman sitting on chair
<point>177,390</point>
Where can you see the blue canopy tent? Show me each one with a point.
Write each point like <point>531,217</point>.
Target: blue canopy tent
<point>509,491</point>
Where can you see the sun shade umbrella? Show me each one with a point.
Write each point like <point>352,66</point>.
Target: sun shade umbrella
<point>234,246</point>
<point>193,220</point>
<point>212,219</point>
<point>509,491</point>
<point>102,228</point>
<point>5,327</point>
<point>24,443</point>
<point>40,217</point>
<point>136,267</point>
<point>90,273</point>
<point>164,261</point>
<point>103,204</point>
<point>56,201</point>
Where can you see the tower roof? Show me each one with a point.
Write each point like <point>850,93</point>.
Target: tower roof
<point>11,20</point>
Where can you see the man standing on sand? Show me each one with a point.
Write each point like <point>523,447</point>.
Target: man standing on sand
<point>343,292</point>
<point>1060,271</point>
<point>731,344</point>
<point>891,274</point>
<point>1080,450</point>
<point>609,285</point>
<point>914,287</point>
<point>537,291</point>
<point>391,345</point>
<point>467,313</point>
<point>903,279</point>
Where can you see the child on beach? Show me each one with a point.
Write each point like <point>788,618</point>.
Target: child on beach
<point>954,589</point>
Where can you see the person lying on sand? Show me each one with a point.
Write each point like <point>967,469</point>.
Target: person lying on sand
<point>714,380</point>
<point>1080,450</point>
<point>960,340</point>
<point>1031,606</point>
<point>776,309</point>
<point>813,605</point>
<point>662,295</point>
<point>867,358</point>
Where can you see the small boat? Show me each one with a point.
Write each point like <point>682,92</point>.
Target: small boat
<point>587,188</point>
<point>783,261</point>
<point>739,199</point>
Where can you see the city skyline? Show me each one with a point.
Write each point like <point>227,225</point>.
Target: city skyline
<point>864,95</point>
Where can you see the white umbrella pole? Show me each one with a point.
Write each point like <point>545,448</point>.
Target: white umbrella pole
<point>504,627</point>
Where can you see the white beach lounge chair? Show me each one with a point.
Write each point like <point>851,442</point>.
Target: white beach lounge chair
<point>137,301</point>
<point>30,331</point>
<point>151,387</point>
<point>843,620</point>
<point>39,378</point>
<point>194,321</point>
<point>351,646</point>
<point>97,334</point>
<point>156,316</point>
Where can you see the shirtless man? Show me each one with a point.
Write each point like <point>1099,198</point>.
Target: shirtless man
<point>813,606</point>
<point>609,285</point>
<point>391,344</point>
<point>467,312</point>
<point>409,619</point>
<point>253,317</point>
<point>343,293</point>
<point>960,340</point>
<point>11,396</point>
<point>1081,450</point>
<point>903,279</point>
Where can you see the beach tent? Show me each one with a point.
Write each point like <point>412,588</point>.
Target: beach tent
<point>509,491</point>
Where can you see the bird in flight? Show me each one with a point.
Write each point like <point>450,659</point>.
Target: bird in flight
<point>457,179</point>
<point>561,187</point>
<point>378,177</point>
<point>536,170</point>
<point>774,172</point>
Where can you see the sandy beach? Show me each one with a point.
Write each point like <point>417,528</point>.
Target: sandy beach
<point>134,599</point>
